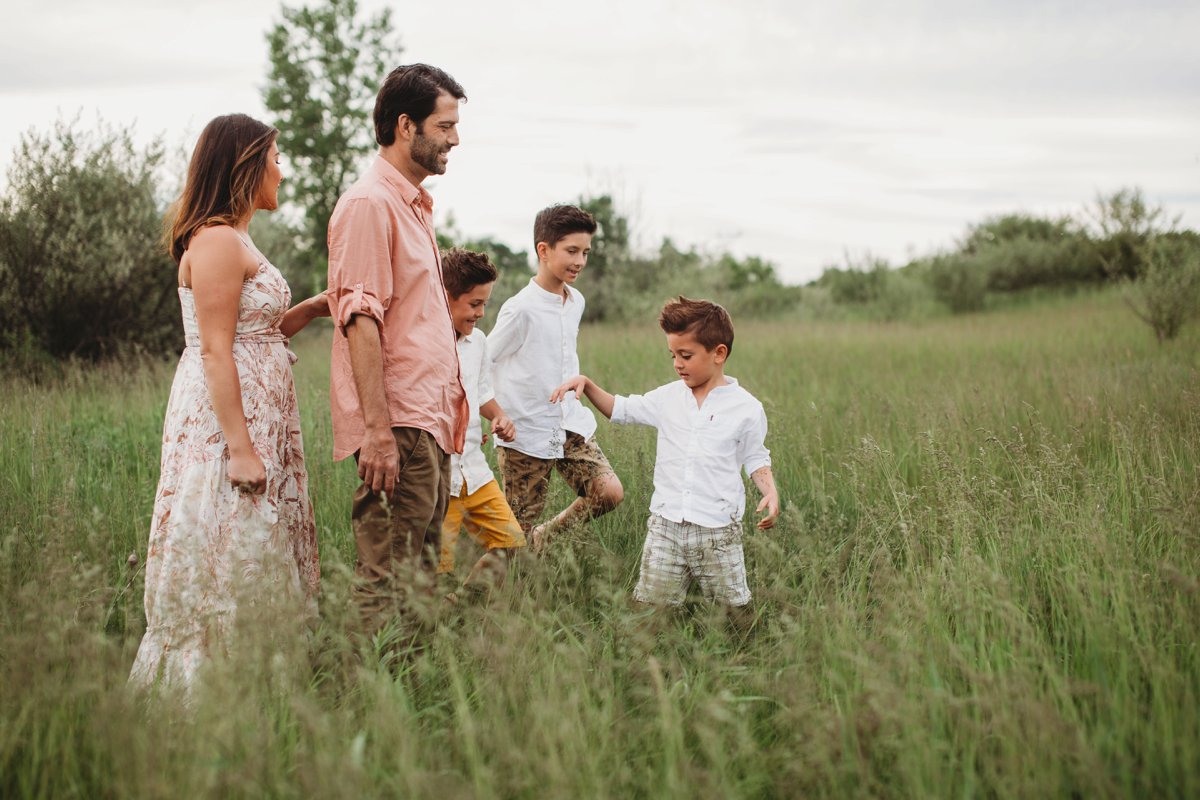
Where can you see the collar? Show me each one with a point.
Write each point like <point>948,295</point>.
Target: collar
<point>471,339</point>
<point>543,296</point>
<point>413,195</point>
<point>730,383</point>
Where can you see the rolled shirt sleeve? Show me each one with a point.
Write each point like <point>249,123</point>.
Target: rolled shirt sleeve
<point>360,261</point>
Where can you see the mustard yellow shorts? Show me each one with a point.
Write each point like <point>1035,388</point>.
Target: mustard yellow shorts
<point>486,516</point>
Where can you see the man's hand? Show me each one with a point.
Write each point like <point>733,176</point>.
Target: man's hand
<point>379,461</point>
<point>577,385</point>
<point>503,427</point>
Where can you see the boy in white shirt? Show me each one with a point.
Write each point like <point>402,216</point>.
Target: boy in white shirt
<point>476,501</point>
<point>533,350</point>
<point>709,430</point>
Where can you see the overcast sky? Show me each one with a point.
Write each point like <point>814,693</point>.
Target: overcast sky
<point>796,131</point>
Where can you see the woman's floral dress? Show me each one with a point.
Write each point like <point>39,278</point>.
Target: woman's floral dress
<point>215,552</point>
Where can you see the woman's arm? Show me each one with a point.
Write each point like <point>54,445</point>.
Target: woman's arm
<point>219,264</point>
<point>304,312</point>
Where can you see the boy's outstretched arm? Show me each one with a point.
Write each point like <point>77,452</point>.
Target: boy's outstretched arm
<point>583,385</point>
<point>765,481</point>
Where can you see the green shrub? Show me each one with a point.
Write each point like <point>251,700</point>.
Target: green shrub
<point>856,284</point>
<point>1125,223</point>
<point>959,282</point>
<point>1167,292</point>
<point>1019,252</point>
<point>82,273</point>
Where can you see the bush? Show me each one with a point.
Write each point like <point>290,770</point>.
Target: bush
<point>880,291</point>
<point>958,282</point>
<point>82,273</point>
<point>1019,252</point>
<point>857,284</point>
<point>1167,293</point>
<point>1126,223</point>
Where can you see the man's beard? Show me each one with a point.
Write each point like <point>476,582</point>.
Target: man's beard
<point>425,152</point>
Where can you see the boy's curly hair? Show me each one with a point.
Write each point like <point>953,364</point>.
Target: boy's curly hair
<point>707,321</point>
<point>463,270</point>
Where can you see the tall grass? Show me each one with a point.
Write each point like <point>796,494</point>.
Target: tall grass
<point>985,582</point>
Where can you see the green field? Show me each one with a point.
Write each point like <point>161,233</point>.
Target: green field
<point>985,583</point>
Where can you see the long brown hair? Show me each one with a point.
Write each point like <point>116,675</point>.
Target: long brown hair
<point>223,178</point>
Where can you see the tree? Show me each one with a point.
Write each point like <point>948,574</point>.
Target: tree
<point>609,259</point>
<point>1167,291</point>
<point>1126,222</point>
<point>326,65</point>
<point>82,270</point>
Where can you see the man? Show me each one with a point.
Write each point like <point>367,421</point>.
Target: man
<point>398,403</point>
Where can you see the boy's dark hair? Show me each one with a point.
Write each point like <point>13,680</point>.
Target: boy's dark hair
<point>412,89</point>
<point>463,270</point>
<point>707,321</point>
<point>555,222</point>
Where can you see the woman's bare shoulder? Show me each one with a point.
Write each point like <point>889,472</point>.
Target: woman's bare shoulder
<point>219,248</point>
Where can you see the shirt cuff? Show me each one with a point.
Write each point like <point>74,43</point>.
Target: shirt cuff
<point>755,464</point>
<point>356,301</point>
<point>618,410</point>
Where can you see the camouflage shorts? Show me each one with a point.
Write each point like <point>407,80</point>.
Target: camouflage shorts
<point>527,478</point>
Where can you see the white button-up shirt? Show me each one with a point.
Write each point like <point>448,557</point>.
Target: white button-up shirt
<point>533,353</point>
<point>701,449</point>
<point>472,467</point>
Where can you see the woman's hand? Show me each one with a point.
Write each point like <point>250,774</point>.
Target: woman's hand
<point>247,473</point>
<point>318,305</point>
<point>304,312</point>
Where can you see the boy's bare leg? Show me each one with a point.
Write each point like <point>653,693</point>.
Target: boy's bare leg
<point>607,495</point>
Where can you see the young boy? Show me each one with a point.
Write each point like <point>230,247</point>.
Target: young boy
<point>709,430</point>
<point>476,502</point>
<point>533,351</point>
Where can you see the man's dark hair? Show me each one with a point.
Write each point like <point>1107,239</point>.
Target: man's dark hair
<point>707,321</point>
<point>555,222</point>
<point>463,270</point>
<point>412,89</point>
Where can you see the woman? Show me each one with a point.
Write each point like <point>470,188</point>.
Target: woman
<point>233,528</point>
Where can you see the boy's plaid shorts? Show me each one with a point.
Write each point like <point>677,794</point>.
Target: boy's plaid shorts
<point>676,553</point>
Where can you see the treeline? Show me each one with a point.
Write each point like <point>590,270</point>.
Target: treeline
<point>1120,238</point>
<point>83,274</point>
<point>622,284</point>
